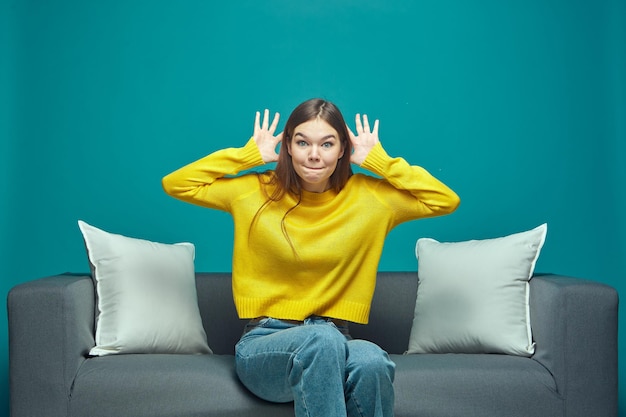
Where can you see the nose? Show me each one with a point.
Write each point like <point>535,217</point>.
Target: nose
<point>314,154</point>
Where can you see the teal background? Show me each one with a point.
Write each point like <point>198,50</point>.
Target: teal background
<point>519,106</point>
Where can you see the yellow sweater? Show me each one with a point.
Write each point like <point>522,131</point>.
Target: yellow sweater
<point>338,237</point>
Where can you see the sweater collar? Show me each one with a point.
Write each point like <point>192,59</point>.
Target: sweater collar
<point>318,198</point>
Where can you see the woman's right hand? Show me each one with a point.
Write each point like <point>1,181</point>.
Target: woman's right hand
<point>264,136</point>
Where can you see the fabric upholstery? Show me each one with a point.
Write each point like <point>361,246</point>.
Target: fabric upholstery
<point>179,385</point>
<point>51,323</point>
<point>474,385</point>
<point>563,310</point>
<point>146,295</point>
<point>473,295</point>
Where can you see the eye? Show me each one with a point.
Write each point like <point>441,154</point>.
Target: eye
<point>301,143</point>
<point>327,145</point>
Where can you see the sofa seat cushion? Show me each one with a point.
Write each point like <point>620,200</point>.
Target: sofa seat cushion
<point>473,385</point>
<point>196,385</point>
<point>165,385</point>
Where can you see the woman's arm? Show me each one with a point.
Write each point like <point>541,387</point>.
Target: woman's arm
<point>202,182</point>
<point>422,195</point>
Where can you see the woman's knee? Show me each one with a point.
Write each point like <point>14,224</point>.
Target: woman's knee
<point>366,358</point>
<point>325,339</point>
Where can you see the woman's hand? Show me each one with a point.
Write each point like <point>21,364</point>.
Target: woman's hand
<point>264,136</point>
<point>364,140</point>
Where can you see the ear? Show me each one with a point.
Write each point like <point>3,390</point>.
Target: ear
<point>288,144</point>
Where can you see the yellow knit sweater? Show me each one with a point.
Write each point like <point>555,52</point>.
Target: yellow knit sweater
<point>337,238</point>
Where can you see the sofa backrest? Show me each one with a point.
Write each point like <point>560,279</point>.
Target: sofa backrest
<point>392,312</point>
<point>390,322</point>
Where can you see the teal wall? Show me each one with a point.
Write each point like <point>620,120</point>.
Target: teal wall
<point>519,106</point>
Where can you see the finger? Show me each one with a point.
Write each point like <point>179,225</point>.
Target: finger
<point>350,133</point>
<point>257,118</point>
<point>279,138</point>
<point>366,123</point>
<point>274,123</point>
<point>375,131</point>
<point>266,117</point>
<point>359,126</point>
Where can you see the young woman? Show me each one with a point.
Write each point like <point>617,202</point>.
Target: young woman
<point>308,238</point>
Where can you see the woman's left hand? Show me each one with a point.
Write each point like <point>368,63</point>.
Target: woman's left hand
<point>364,140</point>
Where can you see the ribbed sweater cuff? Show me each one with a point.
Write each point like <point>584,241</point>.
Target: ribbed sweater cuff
<point>377,160</point>
<point>251,156</point>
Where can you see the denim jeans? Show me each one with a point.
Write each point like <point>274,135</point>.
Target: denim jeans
<point>318,367</point>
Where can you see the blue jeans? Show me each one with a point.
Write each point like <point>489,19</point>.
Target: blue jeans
<point>317,366</point>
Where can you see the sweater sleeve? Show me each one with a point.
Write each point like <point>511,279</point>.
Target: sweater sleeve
<point>410,191</point>
<point>205,182</point>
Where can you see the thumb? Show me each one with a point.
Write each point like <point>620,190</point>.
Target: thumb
<point>350,133</point>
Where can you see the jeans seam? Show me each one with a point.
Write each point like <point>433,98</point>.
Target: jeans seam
<point>351,398</point>
<point>296,361</point>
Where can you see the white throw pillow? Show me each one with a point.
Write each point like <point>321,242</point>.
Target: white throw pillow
<point>473,296</point>
<point>146,295</point>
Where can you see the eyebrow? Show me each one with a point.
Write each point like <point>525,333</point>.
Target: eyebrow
<point>331,136</point>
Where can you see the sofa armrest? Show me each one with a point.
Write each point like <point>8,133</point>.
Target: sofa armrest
<point>51,322</point>
<point>574,324</point>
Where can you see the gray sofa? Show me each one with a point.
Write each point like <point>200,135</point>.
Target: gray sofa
<point>51,329</point>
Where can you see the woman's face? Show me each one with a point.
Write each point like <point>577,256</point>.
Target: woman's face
<point>315,148</point>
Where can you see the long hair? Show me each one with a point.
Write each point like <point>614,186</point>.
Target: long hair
<point>284,179</point>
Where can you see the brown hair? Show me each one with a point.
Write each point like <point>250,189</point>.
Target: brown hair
<point>284,179</point>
